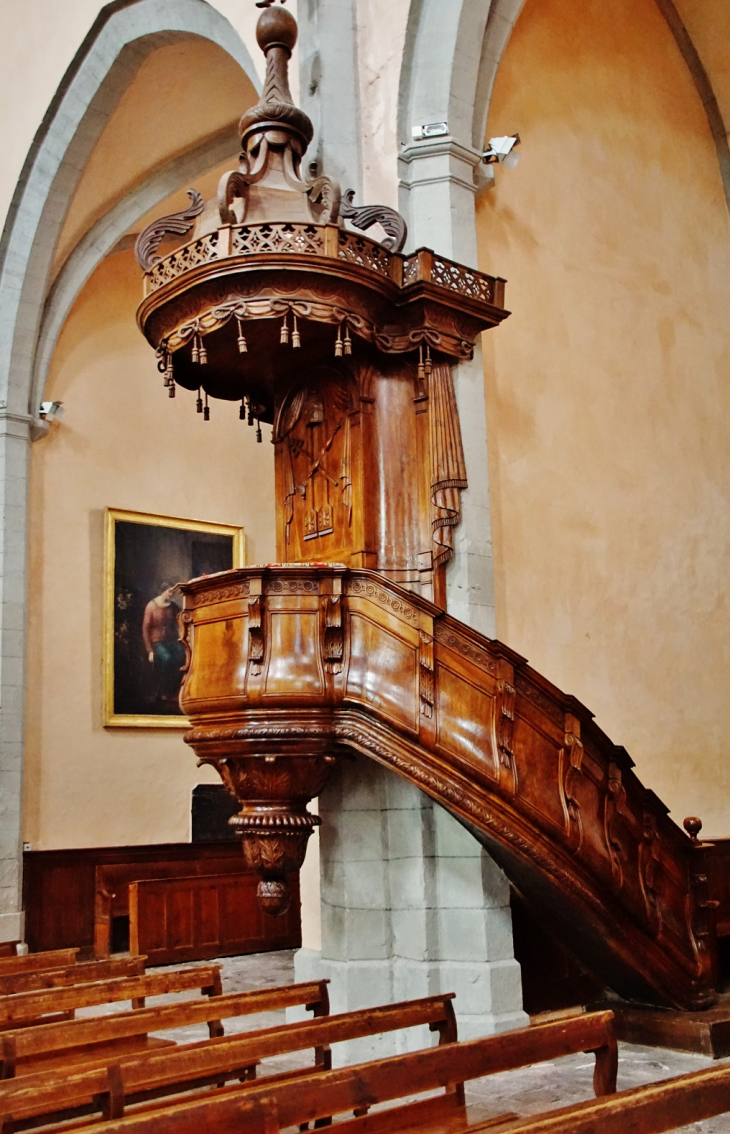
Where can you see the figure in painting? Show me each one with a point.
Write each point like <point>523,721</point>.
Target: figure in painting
<point>165,652</point>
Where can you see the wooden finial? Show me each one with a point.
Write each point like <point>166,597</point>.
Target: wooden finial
<point>693,826</point>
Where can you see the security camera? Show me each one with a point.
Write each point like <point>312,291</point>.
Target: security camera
<point>51,411</point>
<point>501,150</point>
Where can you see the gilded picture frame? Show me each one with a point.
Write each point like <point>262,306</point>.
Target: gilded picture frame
<point>145,558</point>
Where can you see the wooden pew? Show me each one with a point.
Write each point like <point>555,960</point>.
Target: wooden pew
<point>268,1106</point>
<point>53,1098</point>
<point>34,962</point>
<point>24,1007</point>
<point>652,1109</point>
<point>105,1037</point>
<point>83,972</point>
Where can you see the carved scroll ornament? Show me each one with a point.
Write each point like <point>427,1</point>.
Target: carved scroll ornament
<point>175,224</point>
<point>365,216</point>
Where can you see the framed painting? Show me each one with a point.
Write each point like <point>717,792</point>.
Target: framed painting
<point>146,559</point>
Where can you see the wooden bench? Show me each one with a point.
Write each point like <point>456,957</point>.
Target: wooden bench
<point>34,962</point>
<point>652,1109</point>
<point>83,972</point>
<point>52,1098</point>
<point>110,1036</point>
<point>268,1106</point>
<point>24,1007</point>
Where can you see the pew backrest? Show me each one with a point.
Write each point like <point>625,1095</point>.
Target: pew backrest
<point>83,972</point>
<point>267,1107</point>
<point>652,1109</point>
<point>23,1007</point>
<point>35,962</point>
<point>192,1066</point>
<point>78,1038</point>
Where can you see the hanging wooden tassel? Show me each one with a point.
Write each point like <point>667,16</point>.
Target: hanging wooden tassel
<point>259,436</point>
<point>338,342</point>
<point>202,353</point>
<point>195,354</point>
<point>421,367</point>
<point>171,390</point>
<point>206,411</point>
<point>199,403</point>
<point>429,364</point>
<point>296,342</point>
<point>242,345</point>
<point>284,338</point>
<point>348,341</point>
<point>169,372</point>
<point>242,410</point>
<point>250,412</point>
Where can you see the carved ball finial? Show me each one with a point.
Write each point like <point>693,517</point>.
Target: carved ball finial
<point>276,27</point>
<point>693,826</point>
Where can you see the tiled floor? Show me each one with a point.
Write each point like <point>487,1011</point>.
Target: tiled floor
<point>527,1091</point>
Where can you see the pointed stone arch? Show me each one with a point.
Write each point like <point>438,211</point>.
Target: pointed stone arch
<point>122,37</point>
<point>124,34</point>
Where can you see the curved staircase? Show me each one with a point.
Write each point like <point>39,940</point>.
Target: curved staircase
<point>292,666</point>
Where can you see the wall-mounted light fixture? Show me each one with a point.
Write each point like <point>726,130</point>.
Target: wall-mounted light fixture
<point>502,150</point>
<point>430,130</point>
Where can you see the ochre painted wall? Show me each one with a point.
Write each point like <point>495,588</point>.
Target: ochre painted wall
<point>608,393</point>
<point>122,443</point>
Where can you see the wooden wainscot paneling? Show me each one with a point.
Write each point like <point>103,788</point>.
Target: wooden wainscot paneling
<point>75,898</point>
<point>190,919</point>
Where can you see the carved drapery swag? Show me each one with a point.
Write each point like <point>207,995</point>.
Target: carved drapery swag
<point>448,468</point>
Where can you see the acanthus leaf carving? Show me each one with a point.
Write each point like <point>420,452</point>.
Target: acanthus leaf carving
<point>334,636</point>
<point>365,216</point>
<point>255,636</point>
<point>174,224</point>
<point>614,808</point>
<point>649,866</point>
<point>426,682</point>
<point>505,719</point>
<point>571,768</point>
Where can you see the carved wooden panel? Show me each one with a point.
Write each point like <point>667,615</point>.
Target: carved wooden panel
<point>317,439</point>
<point>383,671</point>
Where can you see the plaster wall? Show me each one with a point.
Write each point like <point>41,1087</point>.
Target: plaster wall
<point>122,443</point>
<point>607,392</point>
<point>184,91</point>
<point>40,39</point>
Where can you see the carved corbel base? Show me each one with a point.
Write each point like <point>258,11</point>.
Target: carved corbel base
<point>274,823</point>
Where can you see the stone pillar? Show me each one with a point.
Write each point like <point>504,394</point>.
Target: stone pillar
<point>437,190</point>
<point>411,906</point>
<point>14,446</point>
<point>329,91</point>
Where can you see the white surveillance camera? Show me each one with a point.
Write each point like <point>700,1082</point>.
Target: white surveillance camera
<point>502,150</point>
<point>52,411</point>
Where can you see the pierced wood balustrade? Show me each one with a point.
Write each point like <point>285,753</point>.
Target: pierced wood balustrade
<point>292,667</point>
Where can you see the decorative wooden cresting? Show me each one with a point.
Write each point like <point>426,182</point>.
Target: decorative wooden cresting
<point>344,346</point>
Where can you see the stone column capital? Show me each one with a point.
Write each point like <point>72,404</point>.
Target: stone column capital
<point>434,160</point>
<point>17,425</point>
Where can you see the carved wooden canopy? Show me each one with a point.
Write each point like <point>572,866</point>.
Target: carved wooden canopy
<point>272,267</point>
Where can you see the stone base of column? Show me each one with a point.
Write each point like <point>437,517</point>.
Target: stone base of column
<point>411,906</point>
<point>489,992</point>
<point>12,926</point>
